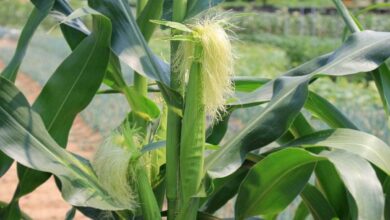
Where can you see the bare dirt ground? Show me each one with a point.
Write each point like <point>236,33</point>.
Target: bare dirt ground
<point>46,203</point>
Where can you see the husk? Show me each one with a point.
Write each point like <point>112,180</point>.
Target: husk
<point>217,62</point>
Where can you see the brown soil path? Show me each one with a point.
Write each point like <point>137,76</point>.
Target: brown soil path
<point>46,203</point>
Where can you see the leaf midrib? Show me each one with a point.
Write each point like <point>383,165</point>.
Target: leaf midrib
<point>82,72</point>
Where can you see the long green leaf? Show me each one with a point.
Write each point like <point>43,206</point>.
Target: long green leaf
<point>359,143</point>
<point>248,84</point>
<point>152,11</point>
<point>380,75</point>
<point>69,90</point>
<point>128,42</point>
<point>216,131</point>
<point>289,97</point>
<point>130,46</point>
<point>328,113</point>
<point>24,138</point>
<point>274,182</point>
<point>301,212</point>
<point>11,70</point>
<point>13,212</point>
<point>361,181</point>
<point>386,189</point>
<point>382,80</point>
<point>21,215</point>
<point>333,188</point>
<point>327,177</point>
<point>34,20</point>
<point>5,163</point>
<point>319,207</point>
<point>224,190</point>
<point>363,51</point>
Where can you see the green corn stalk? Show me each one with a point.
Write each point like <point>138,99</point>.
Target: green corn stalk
<point>174,122</point>
<point>149,206</point>
<point>140,82</point>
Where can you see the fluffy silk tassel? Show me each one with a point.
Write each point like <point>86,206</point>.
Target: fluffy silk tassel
<point>115,163</point>
<point>216,59</point>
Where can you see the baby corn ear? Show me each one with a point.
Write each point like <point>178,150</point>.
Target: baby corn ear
<point>111,164</point>
<point>216,59</point>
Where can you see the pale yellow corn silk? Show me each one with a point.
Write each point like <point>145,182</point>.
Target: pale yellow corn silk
<point>115,163</point>
<point>217,62</point>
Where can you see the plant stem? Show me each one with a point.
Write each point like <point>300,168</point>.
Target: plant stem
<point>149,206</point>
<point>173,144</point>
<point>140,82</point>
<point>172,162</point>
<point>179,10</point>
<point>352,26</point>
<point>174,123</point>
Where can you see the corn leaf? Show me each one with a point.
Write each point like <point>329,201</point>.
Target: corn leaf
<point>328,113</point>
<point>58,103</point>
<point>382,80</point>
<point>278,115</point>
<point>5,163</point>
<point>315,201</point>
<point>152,10</point>
<point>224,190</point>
<point>248,84</point>
<point>332,186</point>
<point>361,181</point>
<point>363,51</point>
<point>18,215</point>
<point>128,42</point>
<point>130,46</point>
<point>24,138</point>
<point>11,70</point>
<point>34,20</point>
<point>274,182</point>
<point>359,143</point>
<point>61,100</point>
<point>301,212</point>
<point>386,189</point>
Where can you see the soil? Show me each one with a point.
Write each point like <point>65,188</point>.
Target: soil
<point>46,203</point>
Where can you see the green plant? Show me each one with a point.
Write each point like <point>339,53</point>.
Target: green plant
<point>167,150</point>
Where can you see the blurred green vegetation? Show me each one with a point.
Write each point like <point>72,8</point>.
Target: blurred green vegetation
<point>280,3</point>
<point>297,24</point>
<point>14,12</point>
<point>293,3</point>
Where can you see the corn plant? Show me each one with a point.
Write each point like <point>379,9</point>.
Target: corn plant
<point>170,156</point>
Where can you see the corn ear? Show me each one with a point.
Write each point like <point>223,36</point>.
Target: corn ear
<point>111,163</point>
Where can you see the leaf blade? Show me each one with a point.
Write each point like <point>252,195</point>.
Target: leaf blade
<point>268,188</point>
